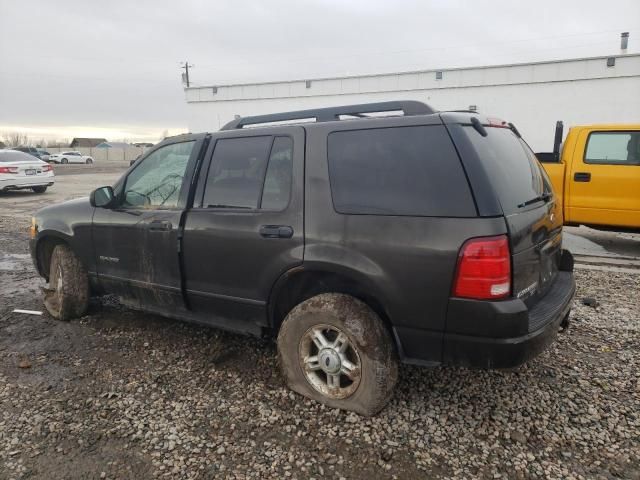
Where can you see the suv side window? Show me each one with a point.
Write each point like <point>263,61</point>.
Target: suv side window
<point>613,148</point>
<point>412,171</point>
<point>250,172</point>
<point>156,182</point>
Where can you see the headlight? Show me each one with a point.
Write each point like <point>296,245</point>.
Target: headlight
<point>33,231</point>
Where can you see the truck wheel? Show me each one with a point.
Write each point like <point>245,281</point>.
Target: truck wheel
<point>334,349</point>
<point>68,294</point>
<point>39,189</point>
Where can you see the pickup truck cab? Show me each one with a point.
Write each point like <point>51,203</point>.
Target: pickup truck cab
<point>596,175</point>
<point>430,238</point>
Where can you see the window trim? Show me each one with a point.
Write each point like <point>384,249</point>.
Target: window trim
<point>619,164</point>
<point>122,192</point>
<point>200,200</point>
<point>264,174</point>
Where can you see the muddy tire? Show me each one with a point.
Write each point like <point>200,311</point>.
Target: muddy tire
<point>334,349</point>
<point>68,294</point>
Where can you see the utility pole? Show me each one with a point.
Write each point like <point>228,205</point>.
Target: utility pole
<point>186,66</point>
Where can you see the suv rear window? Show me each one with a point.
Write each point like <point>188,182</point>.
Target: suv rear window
<point>511,166</point>
<point>411,171</point>
<point>7,156</point>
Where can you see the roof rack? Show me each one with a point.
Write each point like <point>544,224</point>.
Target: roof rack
<point>408,107</point>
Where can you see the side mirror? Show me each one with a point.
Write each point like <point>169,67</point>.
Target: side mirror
<point>102,197</point>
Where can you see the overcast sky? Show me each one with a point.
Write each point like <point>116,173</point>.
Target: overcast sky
<point>112,68</point>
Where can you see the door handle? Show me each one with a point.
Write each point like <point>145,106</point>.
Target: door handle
<point>582,177</point>
<point>160,226</point>
<point>276,231</point>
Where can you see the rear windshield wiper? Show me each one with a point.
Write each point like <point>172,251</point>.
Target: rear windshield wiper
<point>545,197</point>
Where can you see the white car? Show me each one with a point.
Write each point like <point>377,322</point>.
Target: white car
<point>71,156</point>
<point>21,171</point>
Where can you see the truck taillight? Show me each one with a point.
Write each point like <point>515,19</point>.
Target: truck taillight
<point>484,269</point>
<point>8,169</point>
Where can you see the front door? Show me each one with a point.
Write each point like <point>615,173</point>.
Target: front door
<point>246,226</point>
<point>605,181</point>
<point>136,243</point>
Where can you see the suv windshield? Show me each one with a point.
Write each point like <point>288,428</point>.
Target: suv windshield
<point>512,167</point>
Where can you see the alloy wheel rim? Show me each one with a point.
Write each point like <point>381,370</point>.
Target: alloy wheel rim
<point>330,361</point>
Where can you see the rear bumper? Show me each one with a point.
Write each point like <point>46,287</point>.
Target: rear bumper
<point>541,322</point>
<point>505,334</point>
<point>17,183</point>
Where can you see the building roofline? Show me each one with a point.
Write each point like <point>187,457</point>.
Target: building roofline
<point>410,72</point>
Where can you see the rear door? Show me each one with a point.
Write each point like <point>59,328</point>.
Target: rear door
<point>532,211</point>
<point>246,226</point>
<point>605,179</point>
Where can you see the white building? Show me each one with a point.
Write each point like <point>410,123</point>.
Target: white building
<point>531,95</point>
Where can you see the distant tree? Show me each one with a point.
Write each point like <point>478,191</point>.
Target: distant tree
<point>15,139</point>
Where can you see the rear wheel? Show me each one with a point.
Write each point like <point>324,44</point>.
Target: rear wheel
<point>64,160</point>
<point>89,161</point>
<point>39,189</point>
<point>334,349</point>
<point>68,294</point>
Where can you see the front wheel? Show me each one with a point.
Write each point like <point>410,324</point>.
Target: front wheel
<point>89,161</point>
<point>64,161</point>
<point>67,296</point>
<point>334,349</point>
<point>39,189</point>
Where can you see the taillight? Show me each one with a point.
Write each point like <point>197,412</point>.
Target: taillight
<point>8,169</point>
<point>484,269</point>
<point>47,168</point>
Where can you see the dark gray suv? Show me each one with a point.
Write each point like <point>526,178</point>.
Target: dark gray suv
<point>358,240</point>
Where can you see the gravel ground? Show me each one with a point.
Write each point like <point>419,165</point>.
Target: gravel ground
<point>119,394</point>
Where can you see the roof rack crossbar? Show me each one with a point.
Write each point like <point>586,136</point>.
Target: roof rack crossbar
<point>408,107</point>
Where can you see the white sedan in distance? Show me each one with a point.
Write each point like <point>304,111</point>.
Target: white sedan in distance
<point>21,171</point>
<point>71,156</point>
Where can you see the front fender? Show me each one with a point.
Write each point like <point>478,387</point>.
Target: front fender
<point>68,222</point>
<point>39,242</point>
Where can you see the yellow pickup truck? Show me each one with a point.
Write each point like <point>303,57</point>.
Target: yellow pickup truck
<point>596,175</point>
